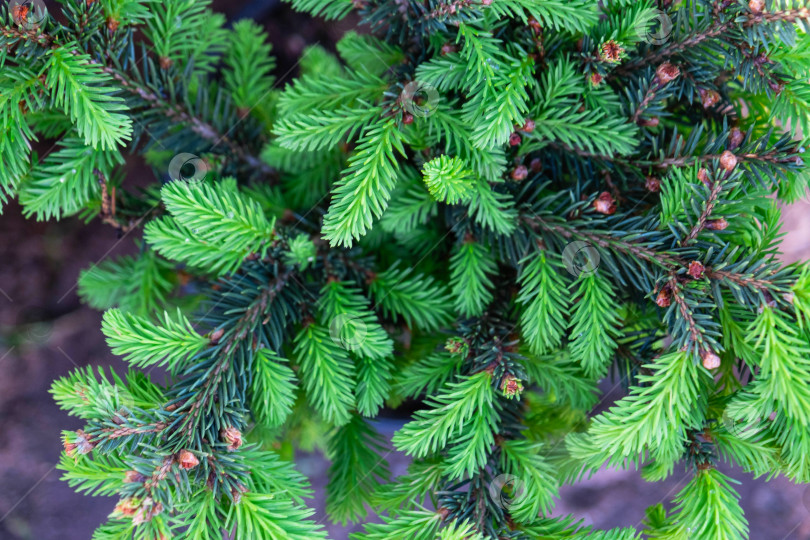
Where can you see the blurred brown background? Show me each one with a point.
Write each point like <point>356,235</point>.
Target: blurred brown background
<point>45,332</point>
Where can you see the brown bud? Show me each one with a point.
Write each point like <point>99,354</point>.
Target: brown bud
<point>112,24</point>
<point>77,443</point>
<point>664,298</point>
<point>735,138</point>
<point>131,477</point>
<point>165,62</point>
<point>511,386</point>
<point>696,269</point>
<point>709,98</point>
<point>407,119</point>
<point>710,360</point>
<point>756,6</point>
<point>528,125</point>
<point>605,203</point>
<point>486,2</point>
<point>652,184</point>
<point>648,122</point>
<point>536,165</point>
<point>534,24</point>
<point>612,51</point>
<point>703,176</point>
<point>519,173</point>
<point>596,79</point>
<point>716,224</point>
<point>728,161</point>
<point>448,48</point>
<point>216,335</point>
<point>232,436</point>
<point>667,72</point>
<point>187,460</point>
<point>128,506</point>
<point>514,139</point>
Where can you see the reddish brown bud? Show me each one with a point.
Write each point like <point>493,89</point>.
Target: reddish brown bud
<point>652,184</point>
<point>131,477</point>
<point>407,119</point>
<point>514,139</point>
<point>703,176</point>
<point>486,2</point>
<point>128,506</point>
<point>165,62</point>
<point>667,72</point>
<point>534,24</point>
<point>596,79</point>
<point>519,173</point>
<point>511,386</point>
<point>77,443</point>
<point>605,203</point>
<point>536,165</point>
<point>735,138</point>
<point>716,224</point>
<point>232,436</point>
<point>112,24</point>
<point>664,298</point>
<point>756,6</point>
<point>528,125</point>
<point>612,51</point>
<point>187,460</point>
<point>710,360</point>
<point>648,122</point>
<point>728,161</point>
<point>696,269</point>
<point>448,48</point>
<point>709,98</point>
<point>216,335</point>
